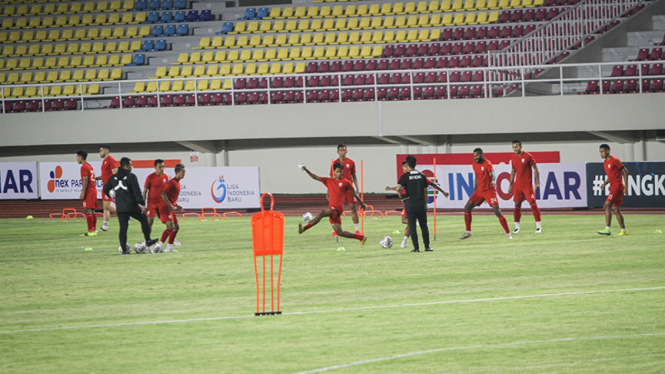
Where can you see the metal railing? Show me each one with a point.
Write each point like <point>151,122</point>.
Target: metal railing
<point>561,33</point>
<point>482,82</point>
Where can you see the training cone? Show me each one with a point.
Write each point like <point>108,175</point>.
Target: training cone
<point>29,217</point>
<point>341,249</point>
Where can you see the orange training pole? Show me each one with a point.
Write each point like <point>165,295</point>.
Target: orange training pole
<point>435,193</point>
<point>362,194</point>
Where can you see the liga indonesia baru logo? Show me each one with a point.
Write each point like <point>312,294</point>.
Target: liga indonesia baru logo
<point>218,189</point>
<point>55,176</point>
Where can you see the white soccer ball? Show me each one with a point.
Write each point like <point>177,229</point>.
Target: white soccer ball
<point>139,247</point>
<point>307,217</point>
<point>156,248</point>
<point>386,242</point>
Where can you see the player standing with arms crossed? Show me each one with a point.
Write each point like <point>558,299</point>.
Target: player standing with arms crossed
<point>168,207</point>
<point>88,192</point>
<point>109,167</point>
<point>616,174</point>
<point>349,173</point>
<point>338,188</point>
<point>485,190</point>
<point>522,187</point>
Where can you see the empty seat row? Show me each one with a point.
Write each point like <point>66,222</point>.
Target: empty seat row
<point>80,34</point>
<point>484,32</point>
<point>11,10</point>
<point>180,16</point>
<point>79,48</point>
<point>53,76</point>
<point>180,86</point>
<point>212,70</point>
<point>61,62</point>
<point>366,23</point>
<point>169,30</point>
<point>632,70</point>
<point>646,54</point>
<point>73,48</point>
<point>444,49</point>
<point>50,91</point>
<point>421,7</point>
<point>620,86</point>
<point>23,106</point>
<point>73,21</point>
<point>160,5</point>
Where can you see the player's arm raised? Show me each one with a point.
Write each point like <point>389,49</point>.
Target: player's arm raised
<point>312,175</point>
<point>536,174</point>
<point>437,187</point>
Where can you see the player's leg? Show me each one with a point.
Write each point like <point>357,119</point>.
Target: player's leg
<point>467,215</point>
<point>175,227</point>
<point>407,232</point>
<point>536,215</point>
<point>322,214</point>
<point>346,234</point>
<point>607,207</point>
<point>424,229</point>
<point>145,226</point>
<point>123,223</point>
<point>108,209</point>
<point>412,218</point>
<point>619,215</point>
<point>517,215</point>
<point>502,219</point>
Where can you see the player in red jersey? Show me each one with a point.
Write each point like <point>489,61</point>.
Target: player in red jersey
<point>349,173</point>
<point>402,195</point>
<point>168,207</point>
<point>338,187</point>
<point>522,187</point>
<point>109,167</point>
<point>152,190</point>
<point>88,192</point>
<point>485,190</point>
<point>616,174</point>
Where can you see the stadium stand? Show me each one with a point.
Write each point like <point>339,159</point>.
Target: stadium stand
<point>348,52</point>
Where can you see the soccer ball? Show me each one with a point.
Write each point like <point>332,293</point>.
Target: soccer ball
<point>307,217</point>
<point>127,251</point>
<point>386,242</point>
<point>139,247</point>
<point>156,248</point>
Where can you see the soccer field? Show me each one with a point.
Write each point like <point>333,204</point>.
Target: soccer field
<point>567,300</point>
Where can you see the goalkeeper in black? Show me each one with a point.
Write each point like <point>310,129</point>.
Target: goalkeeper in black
<point>124,187</point>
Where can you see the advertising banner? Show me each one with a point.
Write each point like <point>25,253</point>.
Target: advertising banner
<point>62,180</point>
<point>219,187</point>
<point>561,185</point>
<point>18,180</point>
<point>646,184</point>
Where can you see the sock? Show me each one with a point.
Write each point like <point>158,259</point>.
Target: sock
<point>89,218</point>
<point>165,235</point>
<point>608,228</point>
<point>105,224</point>
<point>623,229</point>
<point>307,226</point>
<point>169,247</point>
<point>172,237</point>
<point>94,222</point>
<point>358,236</point>
<point>504,224</point>
<point>517,213</point>
<point>406,238</point>
<point>538,225</point>
<point>467,221</point>
<point>536,210</point>
<point>356,226</point>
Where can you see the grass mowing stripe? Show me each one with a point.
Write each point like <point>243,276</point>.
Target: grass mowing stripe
<point>480,346</point>
<point>340,310</point>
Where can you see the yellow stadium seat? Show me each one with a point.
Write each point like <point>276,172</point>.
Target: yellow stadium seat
<point>469,5</point>
<point>28,36</point>
<point>481,5</point>
<point>363,10</point>
<point>227,84</point>
<point>447,19</point>
<point>242,41</point>
<point>315,25</point>
<point>21,50</point>
<point>238,69</point>
<point>366,37</point>
<point>16,92</point>
<point>110,47</point>
<point>7,23</point>
<point>202,85</point>
<point>75,8</point>
<point>263,69</point>
<point>187,71</point>
<point>389,36</point>
<point>275,12</point>
<point>515,4</point>
<point>340,24</point>
<point>291,25</point>
<point>398,8</point>
<point>123,47</point>
<point>401,36</point>
<point>32,91</point>
<point>350,11</point>
<point>220,56</point>
<point>68,90</point>
<point>134,45</point>
<point>527,3</point>
<point>216,42</point>
<point>459,19</point>
<point>66,76</point>
<point>303,25</point>
<point>183,58</point>
<point>125,20</point>
<point>22,10</point>
<point>423,21</point>
<point>174,72</point>
<point>195,58</point>
<point>164,86</point>
<point>55,91</point>
<point>245,55</point>
<point>317,38</point>
<point>52,76</point>
<point>410,8</point>
<point>470,18</point>
<point>503,4</point>
<point>342,52</point>
<point>275,68</point>
<point>255,41</point>
<point>63,62</point>
<point>294,39</point>
<point>299,68</point>
<point>252,26</point>
<point>435,20</point>
<point>307,53</point>
<point>319,53</point>
<point>423,35</point>
<point>113,19</point>
<point>35,22</point>
<point>116,74</point>
<point>88,61</point>
<point>199,71</point>
<point>11,64</point>
<point>90,75</point>
<point>386,9</point>
<point>207,57</point>
<point>325,11</point>
<point>281,40</point>
<point>377,23</point>
<point>160,73</point>
<point>144,31</point>
<point>76,61</point>
<point>364,24</point>
<point>412,36</point>
<point>35,9</point>
<point>434,6</point>
<point>103,74</point>
<point>283,54</point>
<point>330,52</point>
<point>312,12</point>
<point>229,42</point>
<point>265,26</point>
<point>365,52</point>
<point>216,84</point>
<point>224,69</point>
<point>25,63</point>
<point>331,38</point>
<point>301,12</point>
<point>287,68</point>
<point>354,37</point>
<point>8,50</point>
<point>119,33</point>
<point>538,2</point>
<point>140,17</point>
<point>26,78</point>
<point>337,11</point>
<point>114,60</point>
<point>287,12</point>
<point>239,28</point>
<point>400,22</point>
<point>422,7</point>
<point>457,5</point>
<point>306,39</point>
<point>233,55</point>
<point>494,16</point>
<point>493,4</point>
<point>102,60</point>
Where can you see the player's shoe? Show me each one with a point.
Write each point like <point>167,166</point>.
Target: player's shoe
<point>151,242</point>
<point>90,233</point>
<point>358,232</point>
<point>539,230</point>
<point>429,250</point>
<point>622,233</point>
<point>334,234</point>
<point>607,232</point>
<point>363,240</point>
<point>128,250</point>
<point>517,230</point>
<point>176,243</point>
<point>103,229</point>
<point>466,235</point>
<point>300,230</point>
<point>403,245</point>
<point>509,235</point>
<point>171,250</point>
<point>415,250</point>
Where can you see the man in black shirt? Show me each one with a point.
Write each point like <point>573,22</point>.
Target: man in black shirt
<point>415,184</point>
<point>124,187</point>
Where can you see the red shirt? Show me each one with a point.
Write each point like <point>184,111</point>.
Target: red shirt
<point>522,165</point>
<point>613,170</point>
<point>155,185</point>
<point>336,191</point>
<point>348,171</point>
<point>108,165</point>
<point>483,174</point>
<point>172,190</point>
<point>88,171</point>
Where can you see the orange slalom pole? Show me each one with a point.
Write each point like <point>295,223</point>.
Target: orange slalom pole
<point>362,194</point>
<point>256,274</point>
<point>264,282</point>
<point>435,193</point>
<point>279,282</point>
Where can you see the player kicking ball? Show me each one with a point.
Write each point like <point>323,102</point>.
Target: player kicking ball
<point>485,190</point>
<point>338,187</point>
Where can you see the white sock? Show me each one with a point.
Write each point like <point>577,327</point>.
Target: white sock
<point>161,244</point>
<point>169,247</point>
<point>517,225</point>
<point>406,238</point>
<point>105,224</point>
<point>607,228</point>
<point>623,229</point>
<point>356,226</point>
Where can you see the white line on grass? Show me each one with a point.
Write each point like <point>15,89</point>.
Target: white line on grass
<point>339,310</point>
<point>479,346</point>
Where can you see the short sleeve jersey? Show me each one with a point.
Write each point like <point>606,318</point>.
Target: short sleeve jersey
<point>414,182</point>
<point>108,165</point>
<point>88,171</point>
<point>155,185</point>
<point>613,170</point>
<point>336,190</point>
<point>522,165</point>
<point>349,168</point>
<point>172,190</point>
<point>482,171</point>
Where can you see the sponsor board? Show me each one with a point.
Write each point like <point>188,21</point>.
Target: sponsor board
<point>62,180</point>
<point>18,180</point>
<point>646,184</point>
<point>561,185</point>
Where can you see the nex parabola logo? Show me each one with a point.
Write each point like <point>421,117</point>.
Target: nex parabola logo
<point>54,174</point>
<point>218,189</point>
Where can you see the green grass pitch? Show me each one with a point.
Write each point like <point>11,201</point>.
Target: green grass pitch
<point>567,300</point>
